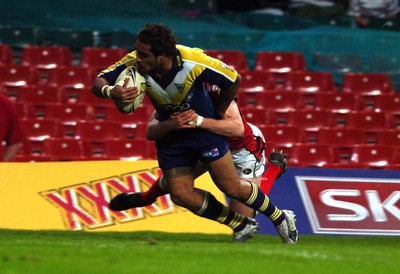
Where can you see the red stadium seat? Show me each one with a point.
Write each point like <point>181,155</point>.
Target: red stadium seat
<point>379,103</point>
<point>110,113</point>
<point>71,77</point>
<point>6,54</point>
<point>341,136</point>
<point>388,137</point>
<point>63,112</point>
<point>304,81</point>
<point>367,83</point>
<point>45,58</point>
<point>283,135</point>
<point>59,149</point>
<point>233,58</point>
<point>256,81</point>
<point>309,119</point>
<point>311,155</point>
<point>129,150</point>
<point>134,131</point>
<point>39,95</point>
<point>14,76</point>
<point>39,130</point>
<point>80,96</point>
<point>256,116</point>
<point>335,102</point>
<point>280,63</point>
<point>342,139</point>
<point>101,58</point>
<point>98,130</point>
<point>367,121</point>
<point>375,156</point>
<point>394,119</point>
<point>282,101</point>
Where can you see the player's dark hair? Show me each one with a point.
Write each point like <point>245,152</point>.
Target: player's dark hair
<point>159,37</point>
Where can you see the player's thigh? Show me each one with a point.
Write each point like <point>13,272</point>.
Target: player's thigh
<point>224,175</point>
<point>179,180</point>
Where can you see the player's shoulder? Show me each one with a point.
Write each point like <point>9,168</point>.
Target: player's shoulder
<point>191,54</point>
<point>197,56</point>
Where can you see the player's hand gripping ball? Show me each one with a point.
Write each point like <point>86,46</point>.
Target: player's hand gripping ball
<point>135,79</point>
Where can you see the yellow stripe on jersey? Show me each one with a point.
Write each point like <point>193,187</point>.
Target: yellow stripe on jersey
<point>188,82</point>
<point>197,55</point>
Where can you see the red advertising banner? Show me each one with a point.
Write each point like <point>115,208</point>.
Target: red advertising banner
<point>351,205</point>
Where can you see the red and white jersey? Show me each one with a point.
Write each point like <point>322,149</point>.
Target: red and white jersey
<point>252,140</point>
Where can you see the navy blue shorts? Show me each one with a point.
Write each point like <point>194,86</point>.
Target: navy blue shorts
<point>184,148</point>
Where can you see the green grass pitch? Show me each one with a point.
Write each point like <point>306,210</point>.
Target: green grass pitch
<point>155,252</point>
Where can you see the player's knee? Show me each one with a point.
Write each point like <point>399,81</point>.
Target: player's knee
<point>178,200</point>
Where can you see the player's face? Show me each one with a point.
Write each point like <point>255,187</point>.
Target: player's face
<point>146,60</point>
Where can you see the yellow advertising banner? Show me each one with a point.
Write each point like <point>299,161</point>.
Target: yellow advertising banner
<point>75,196</point>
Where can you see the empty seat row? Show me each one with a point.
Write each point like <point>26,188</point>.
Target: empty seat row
<point>314,119</point>
<point>49,95</point>
<point>81,112</point>
<point>334,101</point>
<point>35,129</point>
<point>288,135</point>
<point>356,156</point>
<point>61,149</point>
<point>253,82</point>
<point>48,57</point>
<point>305,155</point>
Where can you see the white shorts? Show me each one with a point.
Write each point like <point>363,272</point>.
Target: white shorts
<point>246,163</point>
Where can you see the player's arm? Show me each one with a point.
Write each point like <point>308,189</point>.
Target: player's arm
<point>105,86</point>
<point>11,151</point>
<point>157,129</point>
<point>103,89</point>
<point>230,126</point>
<point>226,97</point>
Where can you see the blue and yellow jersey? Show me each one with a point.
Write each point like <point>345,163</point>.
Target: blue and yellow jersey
<point>185,86</point>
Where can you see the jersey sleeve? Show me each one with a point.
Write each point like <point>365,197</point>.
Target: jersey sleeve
<point>112,72</point>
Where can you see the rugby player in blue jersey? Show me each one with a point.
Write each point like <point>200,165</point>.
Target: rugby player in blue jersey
<point>175,77</point>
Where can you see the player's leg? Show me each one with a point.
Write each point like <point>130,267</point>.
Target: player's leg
<point>223,174</point>
<point>180,182</point>
<point>127,200</point>
<point>240,207</point>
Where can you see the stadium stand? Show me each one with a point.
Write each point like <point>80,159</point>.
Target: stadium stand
<point>100,58</point>
<point>6,54</point>
<point>315,100</point>
<point>45,58</point>
<point>280,63</point>
<point>305,81</point>
<point>233,58</point>
<point>367,83</point>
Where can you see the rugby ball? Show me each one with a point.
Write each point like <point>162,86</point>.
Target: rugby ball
<point>135,79</point>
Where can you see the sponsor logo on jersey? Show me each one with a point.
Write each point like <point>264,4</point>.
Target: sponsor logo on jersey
<point>210,153</point>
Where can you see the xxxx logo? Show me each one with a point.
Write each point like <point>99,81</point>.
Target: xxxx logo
<point>85,205</point>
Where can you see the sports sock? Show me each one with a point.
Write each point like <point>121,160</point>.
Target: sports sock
<point>260,202</point>
<point>269,177</point>
<point>148,197</point>
<point>214,210</point>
